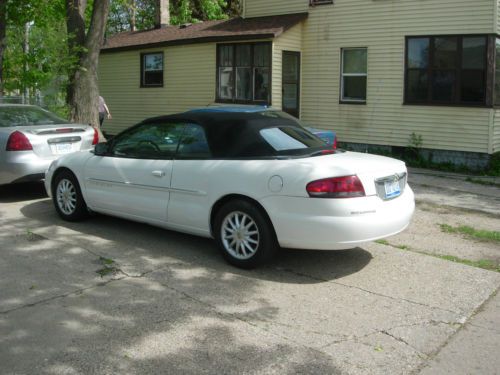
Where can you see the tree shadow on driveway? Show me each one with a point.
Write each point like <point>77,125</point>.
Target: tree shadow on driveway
<point>147,247</point>
<point>166,310</point>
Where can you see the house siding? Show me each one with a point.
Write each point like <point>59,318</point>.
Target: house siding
<point>381,26</point>
<point>496,14</point>
<point>288,41</point>
<point>258,8</point>
<point>496,132</point>
<point>189,81</point>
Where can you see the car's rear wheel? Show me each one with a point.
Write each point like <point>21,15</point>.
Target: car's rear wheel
<point>68,198</point>
<point>244,234</point>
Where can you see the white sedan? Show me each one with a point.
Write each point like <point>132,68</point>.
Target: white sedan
<point>252,179</point>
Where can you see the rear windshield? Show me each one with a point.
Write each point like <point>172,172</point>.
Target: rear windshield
<point>27,116</point>
<point>288,138</point>
<point>268,134</point>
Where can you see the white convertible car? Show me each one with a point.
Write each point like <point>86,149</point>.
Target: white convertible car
<point>253,179</point>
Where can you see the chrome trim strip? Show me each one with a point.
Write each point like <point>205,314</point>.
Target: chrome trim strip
<point>398,176</point>
<point>147,187</point>
<point>379,184</point>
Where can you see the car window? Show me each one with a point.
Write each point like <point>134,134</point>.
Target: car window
<point>193,144</point>
<point>27,116</point>
<point>149,141</point>
<point>290,138</point>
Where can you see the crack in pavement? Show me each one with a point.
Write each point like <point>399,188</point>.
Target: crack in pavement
<point>462,326</point>
<point>241,319</point>
<point>367,291</point>
<point>64,295</point>
<point>399,339</point>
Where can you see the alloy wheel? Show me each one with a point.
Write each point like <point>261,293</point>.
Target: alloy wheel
<point>66,196</point>
<point>240,235</point>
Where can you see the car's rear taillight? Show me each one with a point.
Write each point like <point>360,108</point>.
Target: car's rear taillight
<point>334,145</point>
<point>18,142</point>
<point>336,187</point>
<point>96,137</point>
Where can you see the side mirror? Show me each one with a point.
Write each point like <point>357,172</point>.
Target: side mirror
<point>101,149</point>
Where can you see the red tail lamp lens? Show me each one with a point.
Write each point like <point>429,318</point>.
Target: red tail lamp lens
<point>96,137</point>
<point>334,146</point>
<point>18,142</point>
<point>336,187</point>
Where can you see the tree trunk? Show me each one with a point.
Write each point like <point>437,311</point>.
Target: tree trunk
<point>3,28</point>
<point>83,90</point>
<point>26,50</point>
<point>133,12</point>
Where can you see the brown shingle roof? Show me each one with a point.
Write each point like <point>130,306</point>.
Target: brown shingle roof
<point>209,31</point>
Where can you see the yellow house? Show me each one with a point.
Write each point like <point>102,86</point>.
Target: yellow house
<point>375,71</point>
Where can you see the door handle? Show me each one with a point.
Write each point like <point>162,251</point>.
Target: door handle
<point>158,173</point>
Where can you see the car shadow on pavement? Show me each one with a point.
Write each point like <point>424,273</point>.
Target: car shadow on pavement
<point>133,242</point>
<point>22,192</point>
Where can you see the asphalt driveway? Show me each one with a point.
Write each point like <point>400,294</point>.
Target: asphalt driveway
<point>111,296</point>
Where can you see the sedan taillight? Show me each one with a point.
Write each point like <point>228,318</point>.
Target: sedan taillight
<point>95,140</point>
<point>336,187</point>
<point>18,142</point>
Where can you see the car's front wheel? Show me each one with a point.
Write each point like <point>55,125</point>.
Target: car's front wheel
<point>68,198</point>
<point>244,234</point>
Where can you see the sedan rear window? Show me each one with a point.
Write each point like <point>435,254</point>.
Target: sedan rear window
<point>27,116</point>
<point>290,138</point>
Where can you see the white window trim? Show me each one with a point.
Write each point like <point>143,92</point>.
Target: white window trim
<point>342,75</point>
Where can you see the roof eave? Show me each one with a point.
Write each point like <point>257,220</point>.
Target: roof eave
<point>178,42</point>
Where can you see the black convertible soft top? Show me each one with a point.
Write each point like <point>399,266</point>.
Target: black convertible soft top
<point>237,134</point>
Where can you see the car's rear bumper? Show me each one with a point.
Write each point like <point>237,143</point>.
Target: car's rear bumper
<point>21,167</point>
<point>335,224</point>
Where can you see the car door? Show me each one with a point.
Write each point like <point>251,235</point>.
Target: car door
<point>133,178</point>
<point>189,208</point>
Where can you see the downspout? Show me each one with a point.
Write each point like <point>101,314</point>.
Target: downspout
<point>244,13</point>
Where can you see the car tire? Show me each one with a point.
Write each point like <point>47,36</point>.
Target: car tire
<point>68,198</point>
<point>244,234</point>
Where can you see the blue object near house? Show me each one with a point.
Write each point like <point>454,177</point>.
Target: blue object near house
<point>328,136</point>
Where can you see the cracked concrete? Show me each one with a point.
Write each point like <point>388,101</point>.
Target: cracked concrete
<point>174,306</point>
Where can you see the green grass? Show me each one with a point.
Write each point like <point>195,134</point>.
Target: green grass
<point>482,263</point>
<point>481,182</point>
<point>106,261</point>
<point>479,234</point>
<point>109,267</point>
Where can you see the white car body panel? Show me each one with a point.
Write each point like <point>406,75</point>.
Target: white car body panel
<point>110,182</point>
<point>183,196</point>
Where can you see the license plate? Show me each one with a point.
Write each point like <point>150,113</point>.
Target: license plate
<point>63,148</point>
<point>392,189</point>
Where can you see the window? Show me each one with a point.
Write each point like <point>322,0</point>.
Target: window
<point>446,70</point>
<point>27,116</point>
<point>152,69</point>
<point>244,73</point>
<point>148,141</point>
<point>354,75</point>
<point>193,144</point>
<point>290,138</point>
<point>313,3</point>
